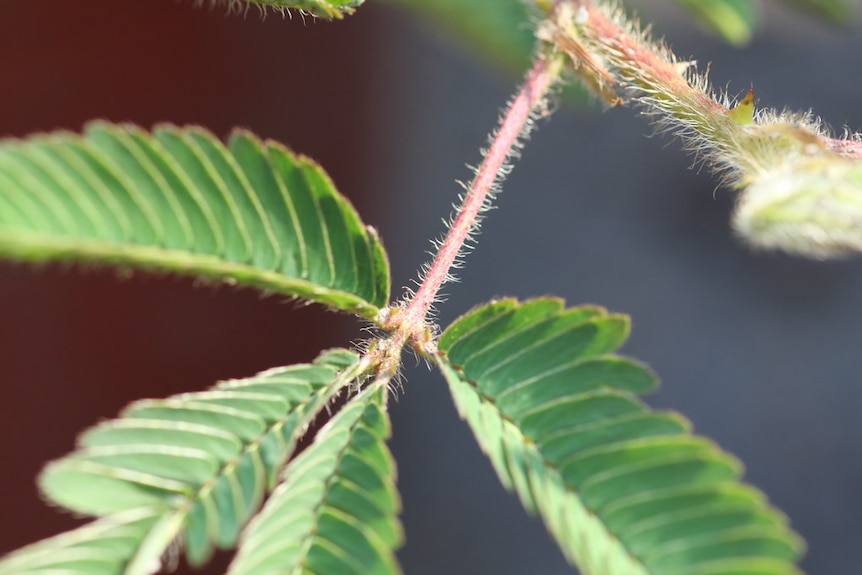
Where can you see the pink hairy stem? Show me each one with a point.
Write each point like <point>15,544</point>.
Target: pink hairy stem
<point>412,321</point>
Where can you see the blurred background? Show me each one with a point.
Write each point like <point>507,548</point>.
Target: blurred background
<point>760,351</point>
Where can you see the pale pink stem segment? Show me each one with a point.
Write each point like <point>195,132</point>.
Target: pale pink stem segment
<point>516,120</point>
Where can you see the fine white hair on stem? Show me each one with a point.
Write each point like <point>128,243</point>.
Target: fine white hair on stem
<point>505,168</point>
<point>504,144</point>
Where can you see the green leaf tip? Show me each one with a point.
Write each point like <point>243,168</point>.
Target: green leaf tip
<point>194,467</point>
<point>624,489</point>
<point>250,212</point>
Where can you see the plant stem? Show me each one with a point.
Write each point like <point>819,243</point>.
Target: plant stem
<point>800,188</point>
<point>515,124</point>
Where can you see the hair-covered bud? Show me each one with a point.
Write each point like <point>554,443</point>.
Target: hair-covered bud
<point>810,207</point>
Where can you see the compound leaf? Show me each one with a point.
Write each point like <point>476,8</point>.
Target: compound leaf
<point>336,511</point>
<point>624,489</point>
<point>195,466</point>
<point>251,212</point>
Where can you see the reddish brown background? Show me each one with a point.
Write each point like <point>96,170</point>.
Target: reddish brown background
<point>76,345</point>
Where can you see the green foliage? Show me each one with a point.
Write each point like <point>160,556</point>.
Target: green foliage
<point>496,28</point>
<point>500,29</point>
<point>836,11</point>
<point>624,489</point>
<point>196,465</point>
<point>336,510</point>
<point>249,213</point>
<point>733,19</point>
<point>102,547</point>
<point>322,8</point>
<point>736,20</point>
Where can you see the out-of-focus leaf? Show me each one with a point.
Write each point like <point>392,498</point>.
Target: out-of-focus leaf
<point>499,29</point>
<point>836,11</point>
<point>734,20</point>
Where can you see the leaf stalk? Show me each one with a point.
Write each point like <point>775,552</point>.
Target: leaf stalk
<point>411,319</point>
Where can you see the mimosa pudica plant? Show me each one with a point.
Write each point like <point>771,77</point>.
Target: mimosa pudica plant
<point>624,489</point>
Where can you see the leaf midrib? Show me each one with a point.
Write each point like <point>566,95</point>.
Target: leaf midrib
<point>41,246</point>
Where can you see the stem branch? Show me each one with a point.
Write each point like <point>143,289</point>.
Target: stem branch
<point>515,124</point>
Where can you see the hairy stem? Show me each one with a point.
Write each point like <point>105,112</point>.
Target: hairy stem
<point>412,320</point>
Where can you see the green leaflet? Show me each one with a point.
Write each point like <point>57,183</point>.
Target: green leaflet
<point>196,464</point>
<point>98,548</point>
<point>336,510</point>
<point>624,489</point>
<point>322,8</point>
<point>179,200</point>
